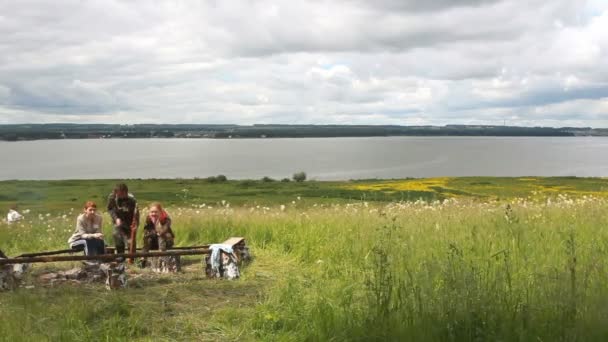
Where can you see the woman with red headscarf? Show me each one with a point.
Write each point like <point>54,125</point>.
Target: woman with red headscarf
<point>157,230</point>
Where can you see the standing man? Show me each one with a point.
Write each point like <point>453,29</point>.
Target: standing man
<point>122,207</point>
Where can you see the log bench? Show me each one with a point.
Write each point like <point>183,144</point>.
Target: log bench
<point>112,263</point>
<point>240,248</point>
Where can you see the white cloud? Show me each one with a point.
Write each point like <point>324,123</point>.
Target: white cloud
<point>351,62</point>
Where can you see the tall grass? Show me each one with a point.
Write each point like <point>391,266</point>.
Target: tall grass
<point>448,272</point>
<point>451,271</point>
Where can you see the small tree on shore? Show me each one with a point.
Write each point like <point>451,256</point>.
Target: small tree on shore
<point>299,176</point>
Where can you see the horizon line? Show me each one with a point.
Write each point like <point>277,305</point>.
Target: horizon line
<point>295,125</point>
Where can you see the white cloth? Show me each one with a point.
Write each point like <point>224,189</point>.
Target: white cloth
<point>13,216</point>
<point>77,243</point>
<point>215,255</point>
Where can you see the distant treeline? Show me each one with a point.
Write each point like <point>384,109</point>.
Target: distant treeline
<point>96,131</point>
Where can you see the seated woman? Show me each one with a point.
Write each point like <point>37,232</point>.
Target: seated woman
<point>88,234</point>
<point>157,230</point>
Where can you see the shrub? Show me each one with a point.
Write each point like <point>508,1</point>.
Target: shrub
<point>267,179</point>
<point>221,178</point>
<point>299,176</point>
<point>247,183</point>
<point>212,179</point>
<point>285,180</point>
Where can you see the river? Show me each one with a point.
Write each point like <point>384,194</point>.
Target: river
<point>320,158</point>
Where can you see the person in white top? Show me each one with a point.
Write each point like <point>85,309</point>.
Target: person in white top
<point>88,235</point>
<point>13,215</point>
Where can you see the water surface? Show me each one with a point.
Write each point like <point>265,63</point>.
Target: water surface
<point>320,158</point>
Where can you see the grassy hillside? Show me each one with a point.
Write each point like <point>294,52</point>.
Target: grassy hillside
<point>468,268</point>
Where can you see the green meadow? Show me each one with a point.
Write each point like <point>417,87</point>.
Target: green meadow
<point>439,259</point>
<point>53,196</point>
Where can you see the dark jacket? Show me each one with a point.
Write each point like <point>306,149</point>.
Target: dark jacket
<point>162,227</point>
<point>123,208</point>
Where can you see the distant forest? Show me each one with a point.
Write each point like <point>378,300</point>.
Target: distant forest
<point>100,131</point>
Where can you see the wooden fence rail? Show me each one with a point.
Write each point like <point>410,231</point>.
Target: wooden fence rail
<point>101,257</point>
<point>108,250</point>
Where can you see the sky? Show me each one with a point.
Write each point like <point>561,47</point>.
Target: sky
<point>402,62</point>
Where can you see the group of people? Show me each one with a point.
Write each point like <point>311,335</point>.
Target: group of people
<point>123,209</point>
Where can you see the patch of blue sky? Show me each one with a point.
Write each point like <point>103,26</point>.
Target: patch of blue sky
<point>595,8</point>
<point>329,66</point>
<point>228,77</point>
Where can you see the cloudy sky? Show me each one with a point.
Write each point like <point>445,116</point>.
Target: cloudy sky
<point>406,62</point>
